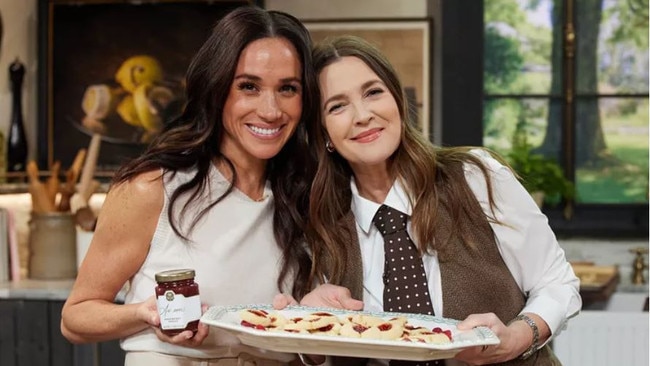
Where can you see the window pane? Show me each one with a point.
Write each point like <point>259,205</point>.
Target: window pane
<point>612,150</point>
<point>499,123</point>
<point>612,46</point>
<point>522,132</point>
<point>504,116</point>
<point>519,42</point>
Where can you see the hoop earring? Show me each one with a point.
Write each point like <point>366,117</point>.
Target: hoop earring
<point>329,147</point>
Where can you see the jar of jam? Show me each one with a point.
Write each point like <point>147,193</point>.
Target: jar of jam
<point>177,298</point>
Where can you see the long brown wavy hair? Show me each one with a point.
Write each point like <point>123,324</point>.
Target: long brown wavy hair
<point>192,140</point>
<point>433,175</point>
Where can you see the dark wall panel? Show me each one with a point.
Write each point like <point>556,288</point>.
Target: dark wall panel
<point>60,348</point>
<point>32,331</point>
<point>7,336</point>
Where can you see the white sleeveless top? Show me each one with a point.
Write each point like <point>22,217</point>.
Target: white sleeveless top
<point>233,252</point>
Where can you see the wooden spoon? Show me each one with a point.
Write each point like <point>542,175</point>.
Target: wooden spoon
<point>76,165</point>
<point>52,183</point>
<point>71,176</point>
<point>40,200</point>
<point>86,182</point>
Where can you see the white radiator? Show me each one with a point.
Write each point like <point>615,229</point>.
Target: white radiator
<point>604,338</point>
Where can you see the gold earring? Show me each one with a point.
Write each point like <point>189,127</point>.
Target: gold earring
<point>329,147</point>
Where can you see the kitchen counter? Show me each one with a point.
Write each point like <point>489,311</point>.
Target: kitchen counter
<point>42,290</point>
<point>626,286</point>
<point>36,289</point>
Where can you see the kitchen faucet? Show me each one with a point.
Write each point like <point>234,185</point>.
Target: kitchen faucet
<point>639,265</point>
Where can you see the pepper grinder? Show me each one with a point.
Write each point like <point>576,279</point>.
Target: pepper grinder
<point>638,265</point>
<point>17,140</point>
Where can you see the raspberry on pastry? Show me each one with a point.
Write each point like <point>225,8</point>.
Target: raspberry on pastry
<point>255,317</point>
<point>332,329</point>
<point>389,330</point>
<point>316,323</point>
<point>353,330</point>
<point>277,320</point>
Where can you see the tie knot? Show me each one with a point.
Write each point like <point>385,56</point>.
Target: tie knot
<point>389,220</point>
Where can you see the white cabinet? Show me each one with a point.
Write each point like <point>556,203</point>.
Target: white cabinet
<point>604,338</point>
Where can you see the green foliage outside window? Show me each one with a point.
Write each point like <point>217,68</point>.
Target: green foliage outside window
<point>537,172</point>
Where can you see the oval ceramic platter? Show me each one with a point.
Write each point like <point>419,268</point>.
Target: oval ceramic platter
<point>228,318</point>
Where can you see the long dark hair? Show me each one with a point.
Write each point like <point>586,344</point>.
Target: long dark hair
<point>433,175</point>
<point>192,140</point>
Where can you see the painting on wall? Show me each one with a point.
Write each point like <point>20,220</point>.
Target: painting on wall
<point>115,68</point>
<point>407,45</point>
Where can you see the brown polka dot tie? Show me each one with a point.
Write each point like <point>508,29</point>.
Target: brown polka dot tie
<point>405,282</point>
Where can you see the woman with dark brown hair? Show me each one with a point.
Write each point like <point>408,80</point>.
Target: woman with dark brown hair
<point>413,228</point>
<point>222,190</point>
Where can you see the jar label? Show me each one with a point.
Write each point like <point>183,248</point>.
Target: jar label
<point>176,310</point>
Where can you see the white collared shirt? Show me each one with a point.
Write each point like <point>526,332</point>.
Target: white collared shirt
<point>525,240</point>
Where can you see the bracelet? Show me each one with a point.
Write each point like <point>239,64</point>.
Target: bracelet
<point>306,360</point>
<point>531,323</point>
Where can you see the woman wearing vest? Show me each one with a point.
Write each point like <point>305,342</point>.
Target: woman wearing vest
<point>469,239</point>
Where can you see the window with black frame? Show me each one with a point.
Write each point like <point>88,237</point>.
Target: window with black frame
<point>567,81</point>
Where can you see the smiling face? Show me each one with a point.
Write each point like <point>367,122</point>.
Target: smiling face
<point>264,102</point>
<point>360,114</point>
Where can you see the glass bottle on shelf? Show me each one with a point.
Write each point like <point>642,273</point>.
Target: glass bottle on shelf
<point>16,140</point>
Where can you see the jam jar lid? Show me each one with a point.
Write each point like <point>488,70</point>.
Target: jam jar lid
<point>175,275</point>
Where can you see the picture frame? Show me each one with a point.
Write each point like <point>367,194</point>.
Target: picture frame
<point>83,45</point>
<point>406,42</point>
